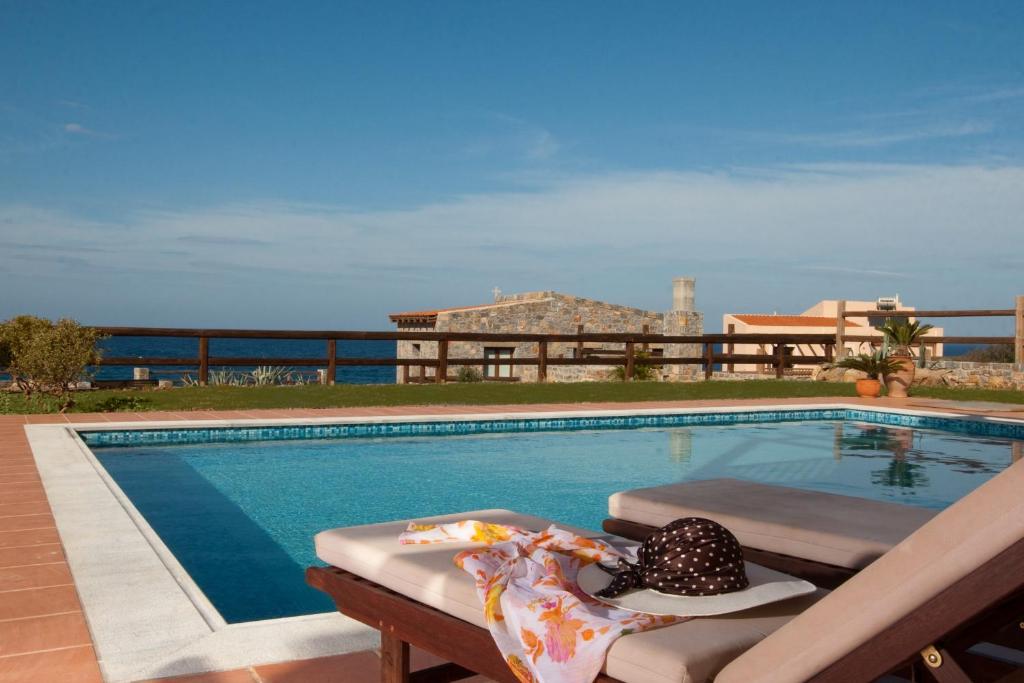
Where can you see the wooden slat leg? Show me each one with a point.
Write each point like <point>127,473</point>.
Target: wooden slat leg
<point>394,658</point>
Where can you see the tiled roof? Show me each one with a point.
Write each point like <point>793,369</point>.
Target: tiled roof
<point>789,320</point>
<point>431,315</point>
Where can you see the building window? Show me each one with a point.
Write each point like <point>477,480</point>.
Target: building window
<point>494,368</point>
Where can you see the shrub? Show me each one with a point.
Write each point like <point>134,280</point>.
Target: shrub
<point>269,375</point>
<point>902,334</point>
<point>642,370</point>
<point>996,353</point>
<point>467,373</point>
<point>873,364</point>
<point>45,358</point>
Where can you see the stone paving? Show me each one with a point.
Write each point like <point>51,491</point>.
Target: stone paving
<point>44,635</point>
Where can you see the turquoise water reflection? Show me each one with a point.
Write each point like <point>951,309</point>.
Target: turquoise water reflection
<point>256,505</point>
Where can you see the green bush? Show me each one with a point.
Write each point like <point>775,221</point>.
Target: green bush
<point>875,365</point>
<point>46,358</point>
<point>642,370</point>
<point>995,353</point>
<point>467,373</point>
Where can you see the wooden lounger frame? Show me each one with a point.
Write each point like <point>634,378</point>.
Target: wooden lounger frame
<point>933,643</point>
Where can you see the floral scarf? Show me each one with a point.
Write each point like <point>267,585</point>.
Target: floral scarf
<point>546,628</point>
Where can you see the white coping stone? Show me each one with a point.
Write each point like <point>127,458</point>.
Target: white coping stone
<point>147,617</point>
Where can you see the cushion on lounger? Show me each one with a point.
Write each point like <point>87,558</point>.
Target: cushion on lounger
<point>424,572</point>
<point>957,541</point>
<point>824,527</point>
<point>691,652</point>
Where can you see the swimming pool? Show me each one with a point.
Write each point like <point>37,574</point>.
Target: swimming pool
<point>238,507</point>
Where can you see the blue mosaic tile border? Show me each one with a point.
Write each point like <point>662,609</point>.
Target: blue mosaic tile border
<point>135,437</point>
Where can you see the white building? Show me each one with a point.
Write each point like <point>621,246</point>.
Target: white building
<point>819,319</point>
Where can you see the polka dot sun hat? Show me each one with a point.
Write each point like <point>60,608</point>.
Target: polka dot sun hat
<point>692,556</point>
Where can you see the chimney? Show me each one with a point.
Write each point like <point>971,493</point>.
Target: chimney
<point>682,294</point>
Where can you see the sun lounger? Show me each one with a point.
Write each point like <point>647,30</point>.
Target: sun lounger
<point>951,584</point>
<point>823,537</point>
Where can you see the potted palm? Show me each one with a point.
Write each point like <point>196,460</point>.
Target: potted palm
<point>900,335</point>
<point>874,365</point>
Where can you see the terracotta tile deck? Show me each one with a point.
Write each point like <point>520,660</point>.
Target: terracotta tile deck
<point>43,632</point>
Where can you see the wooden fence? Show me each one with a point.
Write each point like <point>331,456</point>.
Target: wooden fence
<point>1017,340</point>
<point>780,358</point>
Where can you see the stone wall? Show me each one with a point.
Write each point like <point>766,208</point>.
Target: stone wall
<point>683,324</point>
<point>945,373</point>
<point>956,373</point>
<point>554,313</point>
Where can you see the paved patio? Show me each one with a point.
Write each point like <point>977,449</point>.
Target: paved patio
<point>44,635</point>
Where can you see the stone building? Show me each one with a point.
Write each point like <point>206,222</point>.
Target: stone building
<point>550,312</point>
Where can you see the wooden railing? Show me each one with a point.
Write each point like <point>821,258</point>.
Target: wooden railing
<point>625,353</point>
<point>780,358</point>
<point>1017,340</point>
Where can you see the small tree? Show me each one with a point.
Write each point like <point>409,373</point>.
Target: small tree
<point>43,357</point>
<point>902,334</point>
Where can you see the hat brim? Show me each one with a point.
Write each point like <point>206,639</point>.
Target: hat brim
<point>766,586</point>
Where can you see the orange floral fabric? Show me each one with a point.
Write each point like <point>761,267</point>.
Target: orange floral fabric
<point>548,630</point>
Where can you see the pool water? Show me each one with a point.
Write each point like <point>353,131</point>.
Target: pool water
<point>240,517</point>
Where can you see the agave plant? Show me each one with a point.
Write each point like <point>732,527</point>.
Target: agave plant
<point>225,378</point>
<point>873,364</point>
<point>902,334</point>
<point>265,375</point>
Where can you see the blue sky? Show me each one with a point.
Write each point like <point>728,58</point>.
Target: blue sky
<point>322,164</point>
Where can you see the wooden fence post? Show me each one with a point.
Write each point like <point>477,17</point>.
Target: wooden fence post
<point>732,347</point>
<point>645,330</point>
<point>332,360</point>
<point>841,330</point>
<point>709,360</point>
<point>1018,337</point>
<point>780,360</point>
<point>542,361</point>
<point>204,361</point>
<point>441,374</point>
<point>579,344</point>
<point>405,374</point>
<point>630,361</point>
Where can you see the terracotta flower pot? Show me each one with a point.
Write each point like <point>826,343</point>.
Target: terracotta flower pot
<point>899,383</point>
<point>869,388</point>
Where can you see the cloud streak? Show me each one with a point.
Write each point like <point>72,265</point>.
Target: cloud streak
<point>865,138</point>
<point>80,130</point>
<point>841,225</point>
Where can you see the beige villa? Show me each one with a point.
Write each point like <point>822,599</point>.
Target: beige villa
<point>820,319</point>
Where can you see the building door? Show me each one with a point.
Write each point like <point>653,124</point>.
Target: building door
<point>495,369</point>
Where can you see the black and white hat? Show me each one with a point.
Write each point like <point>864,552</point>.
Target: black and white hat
<point>691,556</point>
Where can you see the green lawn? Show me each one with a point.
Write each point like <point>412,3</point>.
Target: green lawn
<point>316,396</point>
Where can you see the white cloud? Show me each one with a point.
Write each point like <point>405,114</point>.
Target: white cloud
<point>512,137</point>
<point>877,138</point>
<point>932,227</point>
<point>79,129</point>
